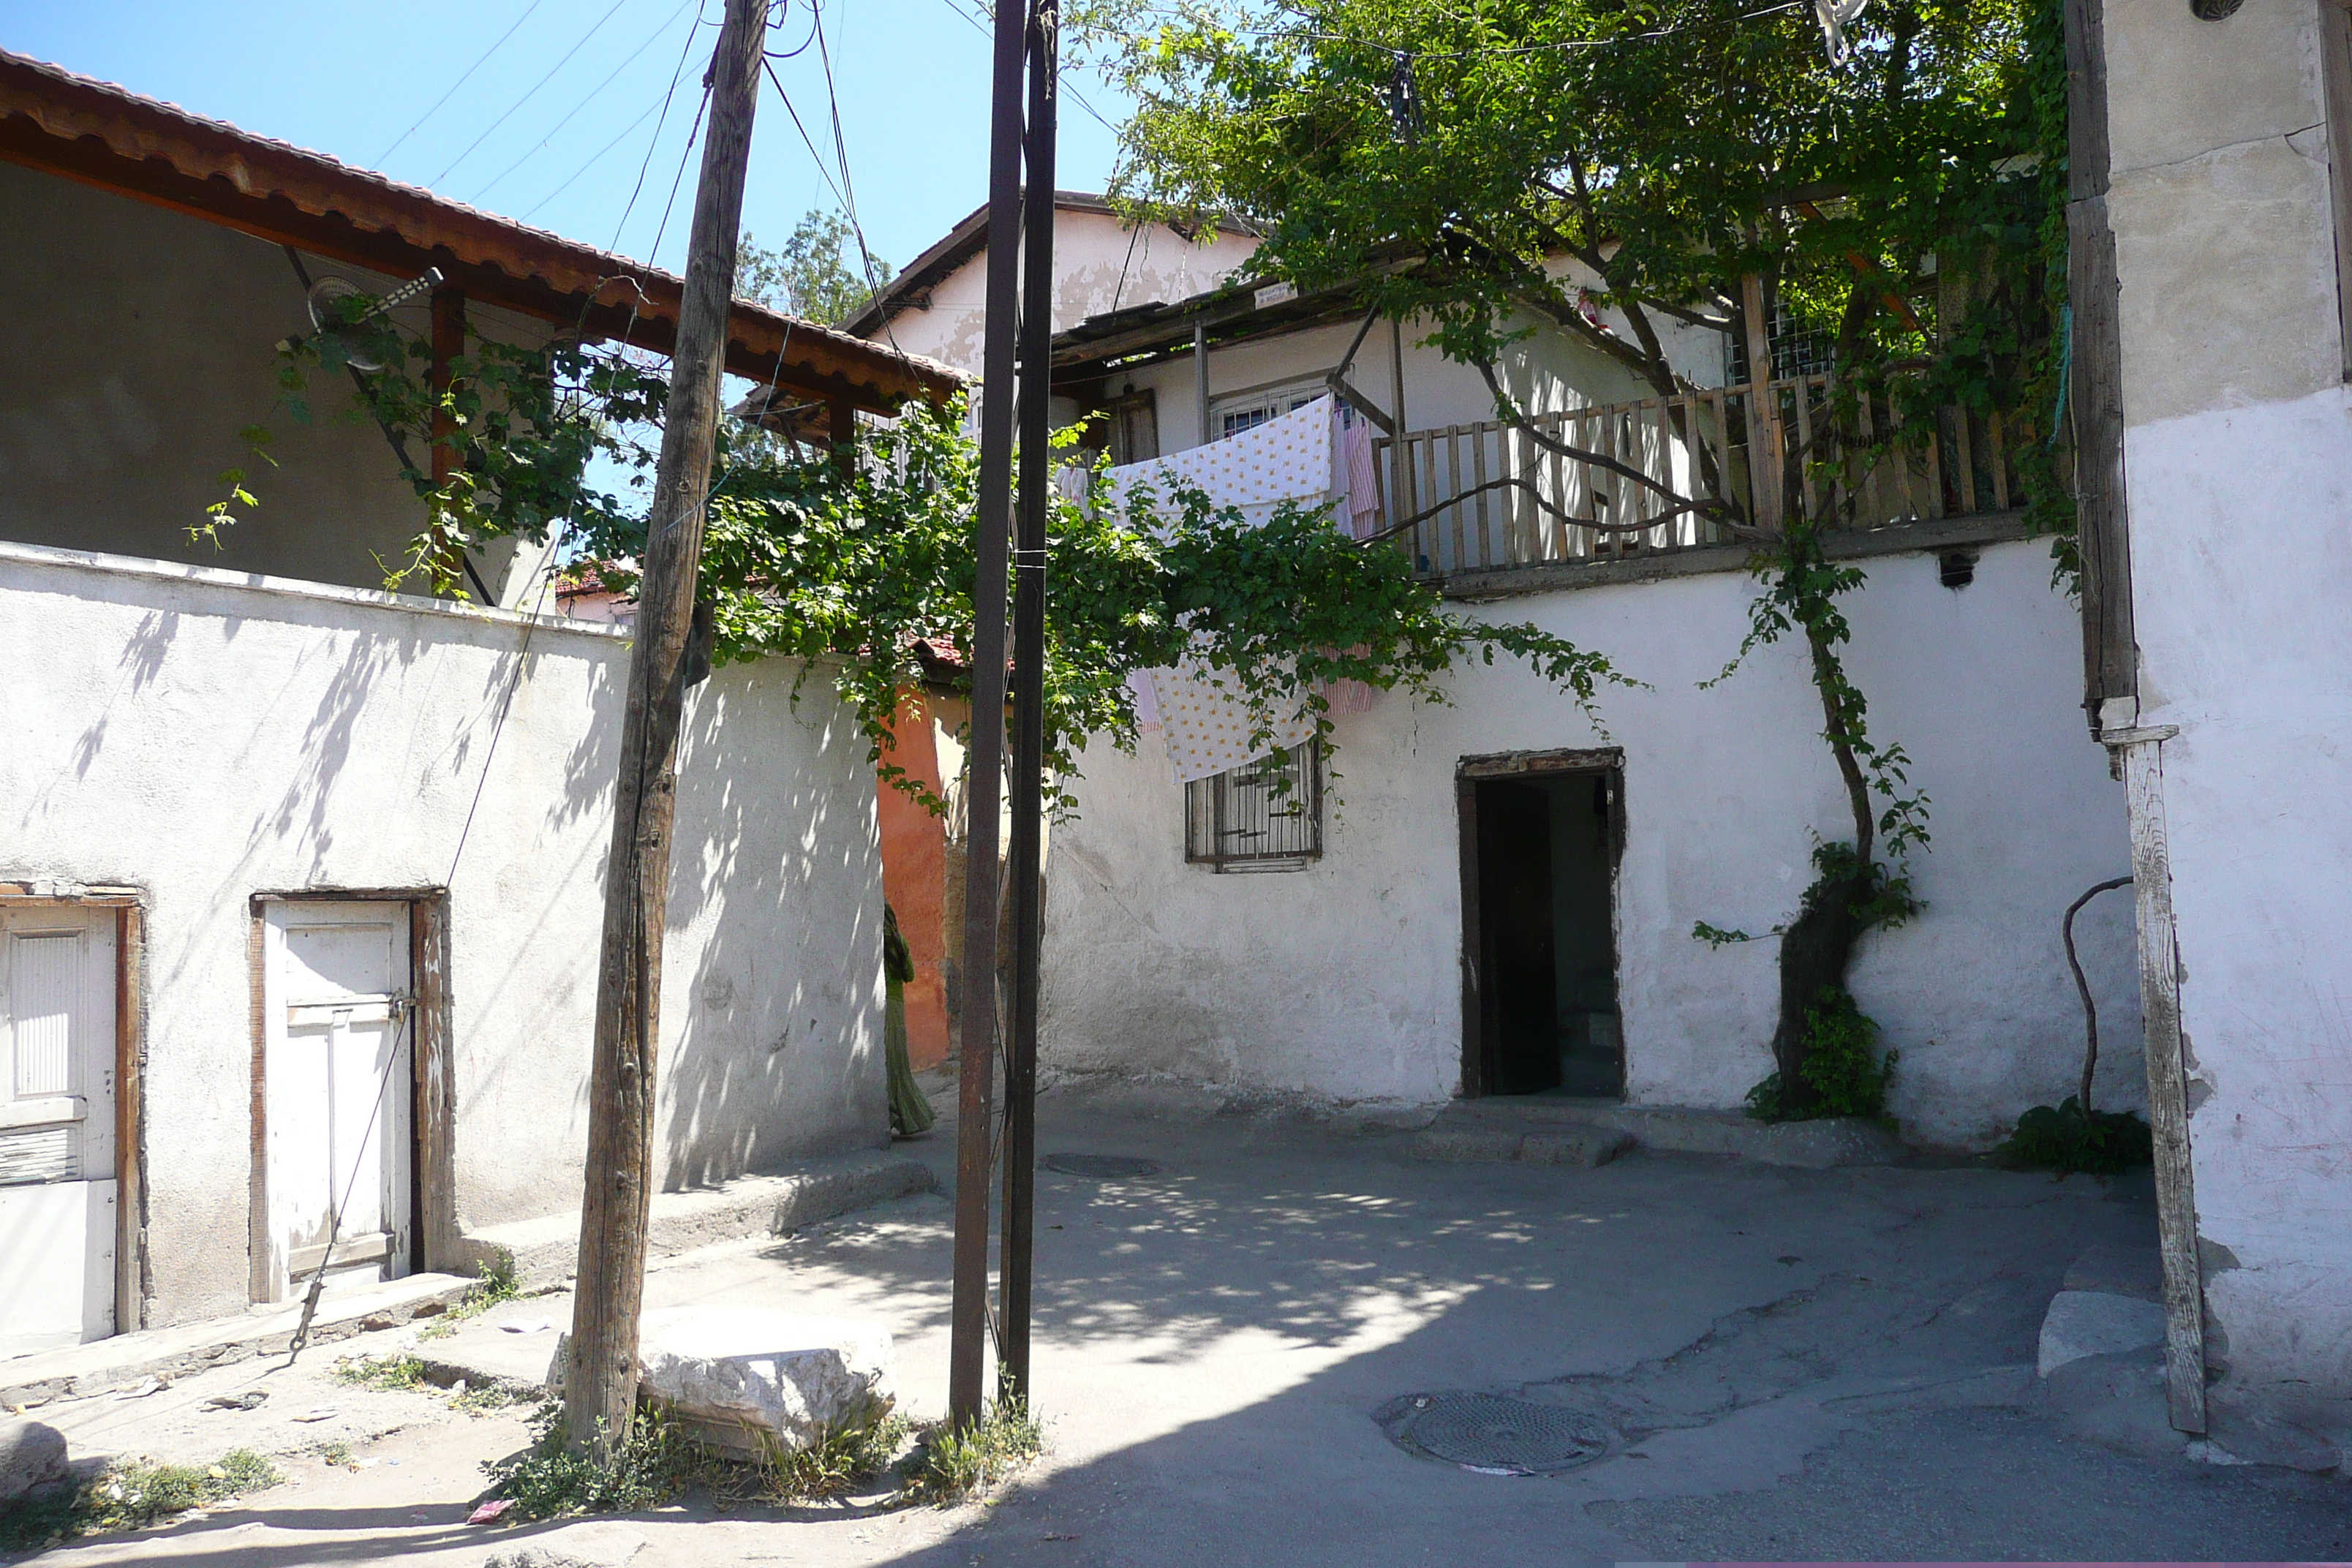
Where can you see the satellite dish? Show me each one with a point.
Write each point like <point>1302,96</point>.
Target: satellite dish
<point>328,321</point>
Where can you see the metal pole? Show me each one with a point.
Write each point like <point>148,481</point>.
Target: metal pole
<point>976,1053</point>
<point>1201,376</point>
<point>1028,701</point>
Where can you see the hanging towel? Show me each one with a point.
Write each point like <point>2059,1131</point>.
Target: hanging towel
<point>1361,509</point>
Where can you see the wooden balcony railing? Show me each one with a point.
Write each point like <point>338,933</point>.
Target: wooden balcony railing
<point>1489,497</point>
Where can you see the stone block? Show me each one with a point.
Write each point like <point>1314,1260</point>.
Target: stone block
<point>743,1379</point>
<point>32,1458</point>
<point>2094,1322</point>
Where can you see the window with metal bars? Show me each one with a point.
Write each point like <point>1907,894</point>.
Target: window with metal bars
<point>1265,815</point>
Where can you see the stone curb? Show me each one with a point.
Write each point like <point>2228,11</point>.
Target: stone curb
<point>1506,1129</point>
<point>544,1251</point>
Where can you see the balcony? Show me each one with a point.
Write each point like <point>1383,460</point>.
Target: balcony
<point>1653,481</point>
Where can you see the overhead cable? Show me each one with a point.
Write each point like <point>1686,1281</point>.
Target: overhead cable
<point>461,81</point>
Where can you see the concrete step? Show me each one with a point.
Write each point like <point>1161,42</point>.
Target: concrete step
<point>1561,1130</point>
<point>546,1251</point>
<point>126,1360</point>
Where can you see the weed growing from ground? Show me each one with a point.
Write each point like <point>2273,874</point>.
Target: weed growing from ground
<point>547,1480</point>
<point>483,1400</point>
<point>832,1467</point>
<point>132,1497</point>
<point>388,1372</point>
<point>1846,1078</point>
<point>496,1285</point>
<point>952,1462</point>
<point>2065,1137</point>
<point>336,1454</point>
<point>659,1460</point>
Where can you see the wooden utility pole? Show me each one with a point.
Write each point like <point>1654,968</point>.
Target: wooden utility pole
<point>976,1047</point>
<point>602,1379</point>
<point>1029,700</point>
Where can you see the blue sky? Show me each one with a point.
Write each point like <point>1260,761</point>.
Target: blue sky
<point>555,125</point>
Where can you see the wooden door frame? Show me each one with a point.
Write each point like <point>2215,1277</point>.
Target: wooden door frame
<point>133,1268</point>
<point>432,1190</point>
<point>1469,772</point>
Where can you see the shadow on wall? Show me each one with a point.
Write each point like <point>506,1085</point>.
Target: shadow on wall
<point>776,1050</point>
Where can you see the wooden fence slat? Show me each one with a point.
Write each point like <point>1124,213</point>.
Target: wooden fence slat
<point>1478,470</point>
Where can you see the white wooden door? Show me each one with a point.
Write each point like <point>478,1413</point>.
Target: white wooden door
<point>338,1082</point>
<point>57,1127</point>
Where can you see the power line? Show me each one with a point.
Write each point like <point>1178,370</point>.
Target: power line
<point>595,158</point>
<point>693,134</point>
<point>627,61</point>
<point>1062,81</point>
<point>648,160</point>
<point>848,190</point>
<point>526,98</point>
<point>461,81</point>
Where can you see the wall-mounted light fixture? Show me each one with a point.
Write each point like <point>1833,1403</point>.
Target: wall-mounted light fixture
<point>2215,10</point>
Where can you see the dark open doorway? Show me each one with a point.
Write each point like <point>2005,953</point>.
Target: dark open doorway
<point>1539,840</point>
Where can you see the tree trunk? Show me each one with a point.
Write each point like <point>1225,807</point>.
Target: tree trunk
<point>601,1382</point>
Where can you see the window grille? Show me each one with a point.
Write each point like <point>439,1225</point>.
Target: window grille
<point>1265,815</point>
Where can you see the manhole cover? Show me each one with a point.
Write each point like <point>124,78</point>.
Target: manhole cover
<point>1104,1167</point>
<point>1496,1434</point>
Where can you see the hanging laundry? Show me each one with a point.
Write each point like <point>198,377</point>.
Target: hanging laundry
<point>1302,457</point>
<point>1283,459</point>
<point>1360,482</point>
<point>1207,728</point>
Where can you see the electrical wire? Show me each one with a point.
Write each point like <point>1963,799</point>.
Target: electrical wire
<point>461,81</point>
<point>595,158</point>
<point>627,61</point>
<point>693,134</point>
<point>848,190</point>
<point>526,98</point>
<point>1062,81</point>
<point>675,77</point>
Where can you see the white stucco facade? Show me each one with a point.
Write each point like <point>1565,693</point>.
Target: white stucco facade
<point>206,738</point>
<point>1099,265</point>
<point>1343,982</point>
<point>2238,468</point>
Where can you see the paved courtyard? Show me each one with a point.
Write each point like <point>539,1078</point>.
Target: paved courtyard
<point>1779,1363</point>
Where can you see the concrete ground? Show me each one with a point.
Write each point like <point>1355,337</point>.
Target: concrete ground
<point>1786,1365</point>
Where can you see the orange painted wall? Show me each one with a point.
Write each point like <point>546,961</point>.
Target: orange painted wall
<point>914,877</point>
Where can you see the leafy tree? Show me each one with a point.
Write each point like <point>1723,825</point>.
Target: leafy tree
<point>849,574</point>
<point>821,273</point>
<point>1473,166</point>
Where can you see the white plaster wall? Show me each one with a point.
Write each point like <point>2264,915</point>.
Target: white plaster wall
<point>2241,576</point>
<point>1098,266</point>
<point>207,737</point>
<point>2238,469</point>
<point>1343,982</point>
